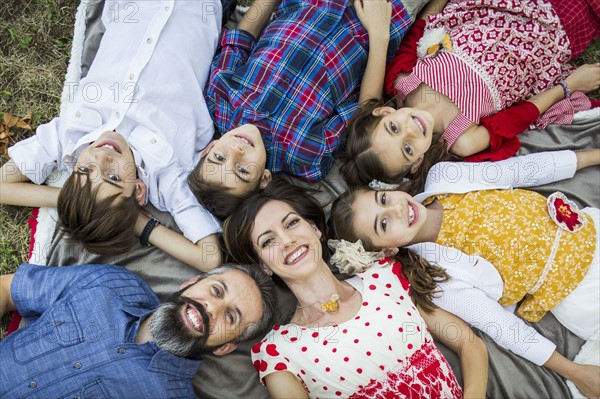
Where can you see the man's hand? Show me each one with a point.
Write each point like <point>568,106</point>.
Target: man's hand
<point>6,302</point>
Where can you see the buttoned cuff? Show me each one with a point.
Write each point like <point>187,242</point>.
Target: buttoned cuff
<point>238,38</point>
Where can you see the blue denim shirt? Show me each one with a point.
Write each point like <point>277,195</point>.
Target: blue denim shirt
<point>80,341</point>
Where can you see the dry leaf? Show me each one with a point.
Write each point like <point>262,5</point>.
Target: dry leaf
<point>9,121</point>
<point>4,146</point>
<point>15,121</point>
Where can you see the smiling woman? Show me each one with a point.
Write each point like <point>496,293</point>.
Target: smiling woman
<point>280,228</point>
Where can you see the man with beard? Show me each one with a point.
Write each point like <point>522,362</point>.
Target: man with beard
<point>100,331</point>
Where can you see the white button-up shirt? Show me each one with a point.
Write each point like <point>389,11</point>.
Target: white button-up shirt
<point>145,83</point>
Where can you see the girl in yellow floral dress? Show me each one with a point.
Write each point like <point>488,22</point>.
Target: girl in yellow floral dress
<point>544,250</point>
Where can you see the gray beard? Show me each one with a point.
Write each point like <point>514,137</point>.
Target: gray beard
<point>172,335</point>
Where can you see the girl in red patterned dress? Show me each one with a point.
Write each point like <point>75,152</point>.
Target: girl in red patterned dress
<point>463,75</point>
<point>363,337</point>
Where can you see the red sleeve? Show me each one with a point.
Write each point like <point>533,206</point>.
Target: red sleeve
<point>504,126</point>
<point>406,57</point>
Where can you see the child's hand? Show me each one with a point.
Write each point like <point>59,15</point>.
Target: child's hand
<point>375,15</point>
<point>585,78</point>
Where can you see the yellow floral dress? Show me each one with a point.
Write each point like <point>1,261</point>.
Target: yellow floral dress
<point>513,230</point>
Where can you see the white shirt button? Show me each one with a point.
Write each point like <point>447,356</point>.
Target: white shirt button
<point>78,114</point>
<point>131,76</point>
<point>118,114</point>
<point>153,141</point>
<point>149,40</point>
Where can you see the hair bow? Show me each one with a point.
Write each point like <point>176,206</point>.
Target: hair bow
<point>352,258</point>
<point>381,186</point>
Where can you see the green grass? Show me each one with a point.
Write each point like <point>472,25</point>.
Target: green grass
<point>35,41</point>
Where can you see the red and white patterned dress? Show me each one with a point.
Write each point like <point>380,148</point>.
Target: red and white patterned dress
<point>503,52</point>
<point>385,351</point>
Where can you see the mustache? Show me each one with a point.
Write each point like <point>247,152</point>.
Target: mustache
<point>171,333</point>
<point>201,310</point>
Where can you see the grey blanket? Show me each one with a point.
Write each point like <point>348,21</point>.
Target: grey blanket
<point>233,376</point>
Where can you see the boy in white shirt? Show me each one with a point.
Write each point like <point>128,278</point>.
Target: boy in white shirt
<point>131,134</point>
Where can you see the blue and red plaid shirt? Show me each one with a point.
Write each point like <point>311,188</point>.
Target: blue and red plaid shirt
<point>299,83</point>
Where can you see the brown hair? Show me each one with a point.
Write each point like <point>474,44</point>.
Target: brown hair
<point>215,197</point>
<point>104,227</point>
<point>237,229</point>
<point>422,275</point>
<point>361,163</point>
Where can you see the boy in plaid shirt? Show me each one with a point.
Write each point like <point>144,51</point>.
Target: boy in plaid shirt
<point>284,93</point>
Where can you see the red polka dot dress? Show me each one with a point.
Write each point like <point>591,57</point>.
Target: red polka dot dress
<point>385,351</point>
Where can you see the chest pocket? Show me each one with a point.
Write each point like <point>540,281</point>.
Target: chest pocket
<point>54,330</point>
<point>156,151</point>
<point>92,390</point>
<point>82,119</point>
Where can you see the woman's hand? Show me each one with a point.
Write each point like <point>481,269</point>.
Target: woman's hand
<point>469,347</point>
<point>587,380</point>
<point>585,78</point>
<point>375,15</point>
